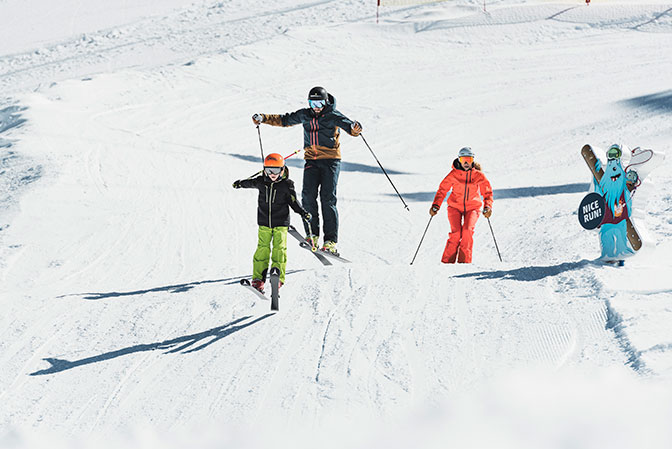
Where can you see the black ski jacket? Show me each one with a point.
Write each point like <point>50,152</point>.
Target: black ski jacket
<point>275,199</point>
<point>320,131</point>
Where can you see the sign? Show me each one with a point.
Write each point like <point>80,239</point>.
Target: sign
<point>592,210</point>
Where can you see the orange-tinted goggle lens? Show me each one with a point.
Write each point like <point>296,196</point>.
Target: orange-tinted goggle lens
<point>468,159</point>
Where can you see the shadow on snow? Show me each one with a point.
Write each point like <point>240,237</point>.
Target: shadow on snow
<point>503,194</point>
<point>345,166</point>
<point>528,274</point>
<point>177,288</point>
<point>10,117</point>
<point>662,101</point>
<point>179,344</point>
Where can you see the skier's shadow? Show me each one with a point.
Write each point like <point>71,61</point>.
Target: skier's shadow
<point>179,344</point>
<point>528,274</point>
<point>661,101</point>
<point>177,288</point>
<point>345,166</point>
<point>511,193</point>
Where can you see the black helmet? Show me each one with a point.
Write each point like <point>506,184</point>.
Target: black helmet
<point>318,93</point>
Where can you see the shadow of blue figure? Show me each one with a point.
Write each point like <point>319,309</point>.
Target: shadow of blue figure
<point>527,274</point>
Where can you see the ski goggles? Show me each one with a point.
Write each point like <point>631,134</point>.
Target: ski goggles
<point>273,170</point>
<point>614,153</point>
<point>467,159</point>
<point>317,104</point>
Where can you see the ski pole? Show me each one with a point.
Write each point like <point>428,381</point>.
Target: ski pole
<point>313,248</point>
<point>423,238</point>
<point>381,167</point>
<point>294,153</point>
<point>260,145</point>
<point>493,238</point>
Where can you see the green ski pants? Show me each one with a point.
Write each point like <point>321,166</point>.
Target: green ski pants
<point>278,255</point>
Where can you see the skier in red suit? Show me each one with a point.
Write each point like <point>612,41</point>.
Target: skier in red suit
<point>465,185</point>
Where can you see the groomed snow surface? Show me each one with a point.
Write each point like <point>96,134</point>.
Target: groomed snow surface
<point>122,242</point>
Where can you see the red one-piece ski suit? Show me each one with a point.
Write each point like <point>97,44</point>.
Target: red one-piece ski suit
<point>464,206</point>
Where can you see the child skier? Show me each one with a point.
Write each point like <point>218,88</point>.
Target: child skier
<point>276,196</point>
<point>465,185</point>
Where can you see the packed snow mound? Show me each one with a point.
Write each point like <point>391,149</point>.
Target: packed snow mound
<point>121,259</point>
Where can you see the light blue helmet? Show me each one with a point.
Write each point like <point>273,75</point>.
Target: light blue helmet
<point>466,151</point>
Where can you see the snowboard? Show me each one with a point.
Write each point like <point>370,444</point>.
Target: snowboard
<point>643,161</point>
<point>590,158</point>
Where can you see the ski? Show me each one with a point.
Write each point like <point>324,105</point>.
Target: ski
<point>304,244</point>
<point>608,263</point>
<point>590,158</point>
<point>275,287</point>
<point>246,283</point>
<point>328,254</point>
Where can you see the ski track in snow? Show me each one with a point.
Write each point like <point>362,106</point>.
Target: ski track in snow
<point>188,34</point>
<point>178,37</point>
<point>120,260</point>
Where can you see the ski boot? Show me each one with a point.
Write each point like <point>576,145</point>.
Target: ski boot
<point>258,284</point>
<point>330,247</point>
<point>312,240</point>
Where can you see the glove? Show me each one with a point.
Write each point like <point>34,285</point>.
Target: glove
<point>258,118</point>
<point>487,212</point>
<point>434,209</point>
<point>356,128</point>
<point>307,216</point>
<point>236,185</point>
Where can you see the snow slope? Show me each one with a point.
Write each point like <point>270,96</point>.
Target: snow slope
<point>122,241</point>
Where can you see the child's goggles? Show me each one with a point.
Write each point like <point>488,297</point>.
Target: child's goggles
<point>467,159</point>
<point>614,153</point>
<point>273,170</point>
<point>317,104</point>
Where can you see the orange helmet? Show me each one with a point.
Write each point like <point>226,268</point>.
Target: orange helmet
<point>274,160</point>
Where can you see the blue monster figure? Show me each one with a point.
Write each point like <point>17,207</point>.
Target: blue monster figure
<point>613,186</point>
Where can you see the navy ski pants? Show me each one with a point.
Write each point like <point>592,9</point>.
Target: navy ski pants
<point>321,176</point>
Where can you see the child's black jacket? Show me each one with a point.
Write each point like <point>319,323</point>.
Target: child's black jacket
<point>275,199</point>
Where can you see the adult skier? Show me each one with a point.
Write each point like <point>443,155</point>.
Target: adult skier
<point>464,185</point>
<point>321,123</point>
<point>276,196</point>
